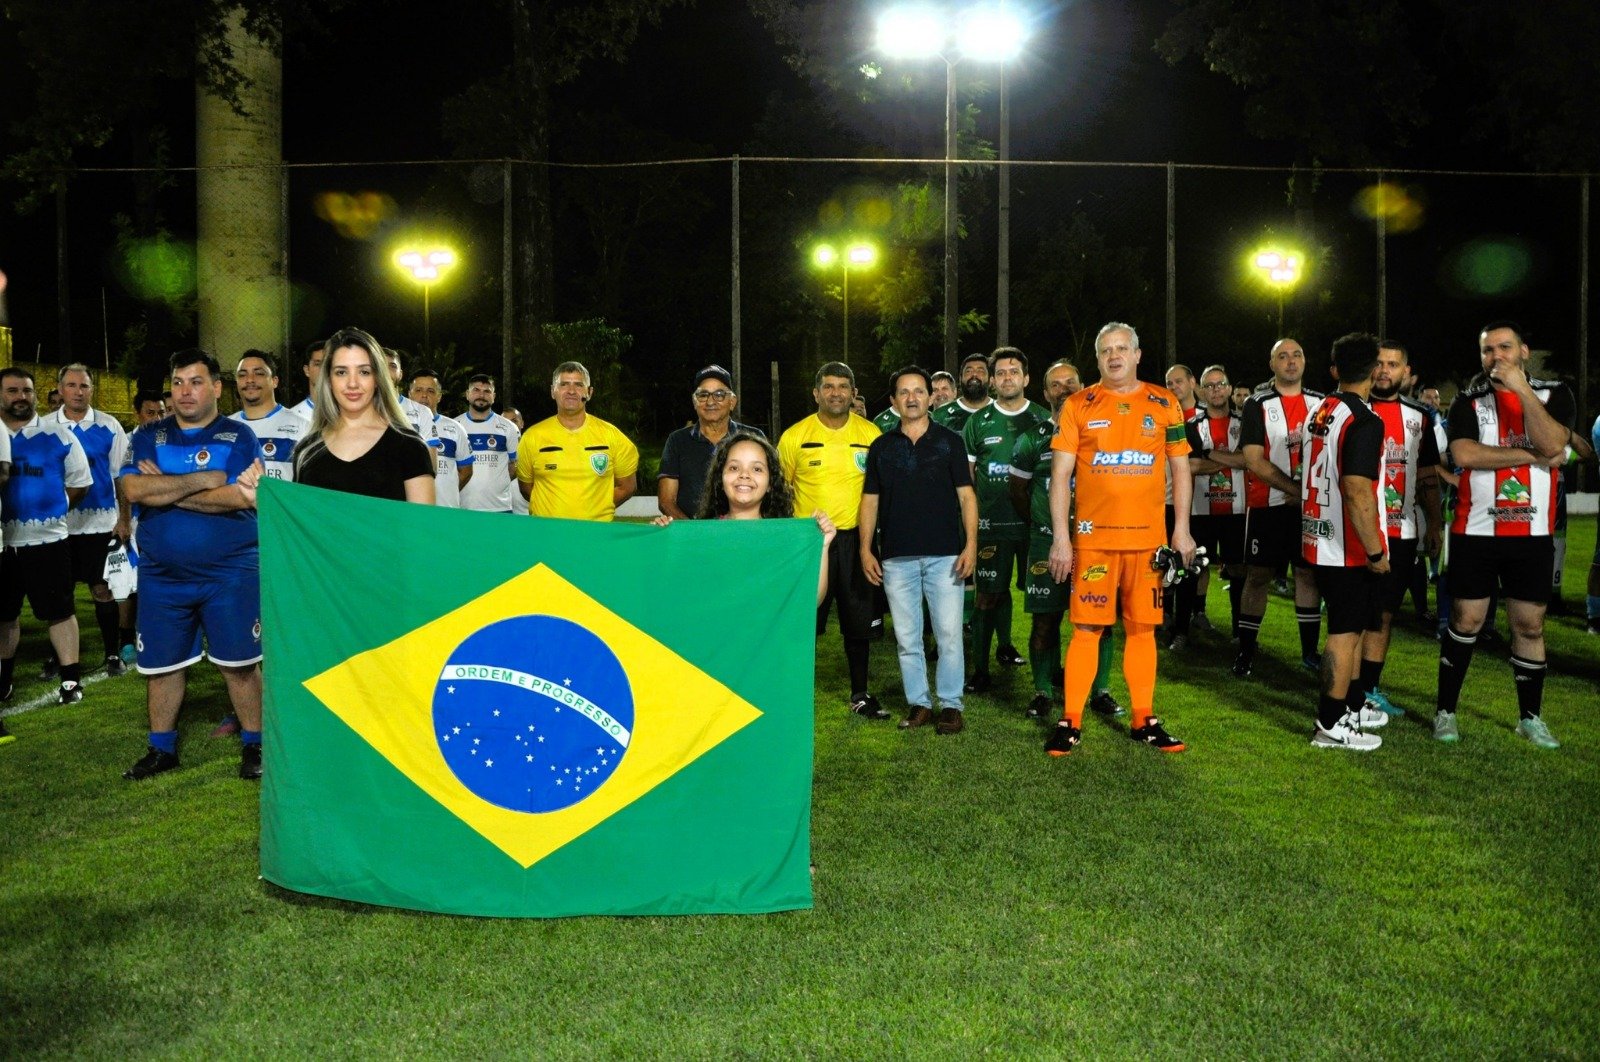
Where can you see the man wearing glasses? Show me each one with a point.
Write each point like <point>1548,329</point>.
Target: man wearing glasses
<point>688,451</point>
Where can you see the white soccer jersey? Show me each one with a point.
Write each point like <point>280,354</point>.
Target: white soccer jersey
<point>303,407</point>
<point>1342,438</point>
<point>1273,421</point>
<point>1408,446</point>
<point>1218,493</point>
<point>451,452</point>
<point>1515,502</point>
<point>421,418</point>
<point>279,432</point>
<point>105,446</point>
<point>46,460</point>
<point>494,446</point>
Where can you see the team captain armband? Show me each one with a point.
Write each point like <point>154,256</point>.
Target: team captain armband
<point>1175,433</point>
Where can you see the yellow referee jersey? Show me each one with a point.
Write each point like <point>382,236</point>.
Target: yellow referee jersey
<point>573,472</point>
<point>826,466</point>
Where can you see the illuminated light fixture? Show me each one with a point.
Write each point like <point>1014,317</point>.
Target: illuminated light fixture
<point>425,267</point>
<point>858,254</point>
<point>911,32</point>
<point>991,34</point>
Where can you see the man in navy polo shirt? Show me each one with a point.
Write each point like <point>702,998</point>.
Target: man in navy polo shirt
<point>688,451</point>
<point>193,475</point>
<point>918,492</point>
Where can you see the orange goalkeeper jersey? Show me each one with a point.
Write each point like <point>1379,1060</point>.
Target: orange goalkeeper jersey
<point>1122,442</point>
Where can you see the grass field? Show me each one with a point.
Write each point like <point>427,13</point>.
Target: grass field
<point>1253,896</point>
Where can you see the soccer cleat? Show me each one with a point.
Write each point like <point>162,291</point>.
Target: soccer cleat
<point>6,736</point>
<point>1312,664</point>
<point>50,670</point>
<point>1064,737</point>
<point>1346,734</point>
<point>155,762</point>
<point>1444,728</point>
<point>1105,704</point>
<point>1008,655</point>
<point>1241,666</point>
<point>129,654</point>
<point>250,762</point>
<point>980,682</point>
<point>1041,705</point>
<point>70,693</point>
<point>1378,700</point>
<point>866,706</point>
<point>115,666</point>
<point>951,721</point>
<point>1535,730</point>
<point>1155,735</point>
<point>1179,643</point>
<point>227,728</point>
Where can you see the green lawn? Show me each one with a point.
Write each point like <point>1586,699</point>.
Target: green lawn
<point>1252,896</point>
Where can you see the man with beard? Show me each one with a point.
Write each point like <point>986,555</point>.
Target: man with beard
<point>1508,435</point>
<point>1271,433</point>
<point>492,439</point>
<point>990,434</point>
<point>1216,515</point>
<point>973,395</point>
<point>1410,479</point>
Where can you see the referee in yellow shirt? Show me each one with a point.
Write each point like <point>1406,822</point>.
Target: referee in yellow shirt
<point>824,457</point>
<point>575,465</point>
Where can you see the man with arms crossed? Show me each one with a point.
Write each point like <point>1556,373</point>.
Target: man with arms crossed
<point>1121,437</point>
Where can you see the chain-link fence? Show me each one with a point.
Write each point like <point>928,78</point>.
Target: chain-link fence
<point>655,269</point>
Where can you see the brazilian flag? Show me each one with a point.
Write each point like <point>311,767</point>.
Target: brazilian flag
<point>479,713</point>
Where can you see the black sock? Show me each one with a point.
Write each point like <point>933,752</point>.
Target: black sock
<point>1185,607</point>
<point>855,655</point>
<point>1249,634</point>
<point>1455,653</point>
<point>1529,678</point>
<point>124,636</point>
<point>71,672</point>
<point>8,667</point>
<point>1329,711</point>
<point>1310,620</point>
<point>105,614</point>
<point>1367,681</point>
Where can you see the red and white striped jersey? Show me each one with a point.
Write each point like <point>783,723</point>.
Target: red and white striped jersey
<point>1515,502</point>
<point>1408,445</point>
<point>1221,492</point>
<point>1343,437</point>
<point>1272,419</point>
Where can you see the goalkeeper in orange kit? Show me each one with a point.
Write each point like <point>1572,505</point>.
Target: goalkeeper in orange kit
<point>1116,442</point>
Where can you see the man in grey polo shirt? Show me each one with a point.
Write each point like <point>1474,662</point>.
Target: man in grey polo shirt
<point>688,451</point>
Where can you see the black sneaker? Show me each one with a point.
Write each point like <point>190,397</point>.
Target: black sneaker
<point>980,682</point>
<point>115,666</point>
<point>867,707</point>
<point>250,762</point>
<point>70,693</point>
<point>1008,655</point>
<point>1105,704</point>
<point>1241,666</point>
<point>1064,737</point>
<point>50,670</point>
<point>155,762</point>
<point>1156,736</point>
<point>1179,643</point>
<point>1040,706</point>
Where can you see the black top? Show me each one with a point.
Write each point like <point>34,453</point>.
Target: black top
<point>687,458</point>
<point>919,511</point>
<point>381,472</point>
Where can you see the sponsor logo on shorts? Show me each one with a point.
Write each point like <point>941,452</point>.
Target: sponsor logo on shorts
<point>1129,458</point>
<point>1085,527</point>
<point>255,630</point>
<point>1035,590</point>
<point>1094,573</point>
<point>988,552</point>
<point>1094,599</point>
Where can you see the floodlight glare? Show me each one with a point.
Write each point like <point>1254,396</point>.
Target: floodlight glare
<point>991,34</point>
<point>824,256</point>
<point>911,32</point>
<point>862,254</point>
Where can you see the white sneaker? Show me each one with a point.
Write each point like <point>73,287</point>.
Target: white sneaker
<point>1346,734</point>
<point>1372,717</point>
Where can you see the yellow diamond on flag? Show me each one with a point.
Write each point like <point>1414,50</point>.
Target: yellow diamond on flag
<point>532,713</point>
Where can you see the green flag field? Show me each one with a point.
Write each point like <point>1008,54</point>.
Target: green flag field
<point>1251,897</point>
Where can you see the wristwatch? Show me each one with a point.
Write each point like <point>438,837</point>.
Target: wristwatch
<point>1374,558</point>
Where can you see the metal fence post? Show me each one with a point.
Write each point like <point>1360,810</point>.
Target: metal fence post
<point>1584,406</point>
<point>63,292</point>
<point>1172,265</point>
<point>506,319</point>
<point>734,338</point>
<point>1383,258</point>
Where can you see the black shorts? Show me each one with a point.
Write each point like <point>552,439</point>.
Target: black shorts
<point>1354,597</point>
<point>847,584</point>
<point>1222,535</point>
<point>41,573</point>
<point>1519,567</point>
<point>89,556</point>
<point>1272,537</point>
<point>1402,568</point>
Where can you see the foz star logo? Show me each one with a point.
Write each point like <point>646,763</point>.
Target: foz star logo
<point>1123,458</point>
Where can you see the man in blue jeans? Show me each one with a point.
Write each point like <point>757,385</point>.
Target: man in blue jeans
<point>918,492</point>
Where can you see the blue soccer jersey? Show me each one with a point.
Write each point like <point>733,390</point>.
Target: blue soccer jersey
<point>105,444</point>
<point>46,459</point>
<point>180,543</point>
<point>278,433</point>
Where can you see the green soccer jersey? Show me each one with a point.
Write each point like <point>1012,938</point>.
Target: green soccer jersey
<point>887,421</point>
<point>990,434</point>
<point>953,415</point>
<point>1031,459</point>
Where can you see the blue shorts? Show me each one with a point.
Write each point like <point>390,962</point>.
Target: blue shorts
<point>173,614</point>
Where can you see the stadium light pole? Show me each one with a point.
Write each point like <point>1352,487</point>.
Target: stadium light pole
<point>1279,270</point>
<point>425,267</point>
<point>858,254</point>
<point>985,33</point>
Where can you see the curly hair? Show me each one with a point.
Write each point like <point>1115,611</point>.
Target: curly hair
<point>779,499</point>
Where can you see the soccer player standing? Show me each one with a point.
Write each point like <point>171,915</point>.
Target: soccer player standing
<point>452,453</point>
<point>277,429</point>
<point>1270,431</point>
<point>1216,513</point>
<point>493,440</point>
<point>1508,434</point>
<point>1342,538</point>
<point>1120,436</point>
